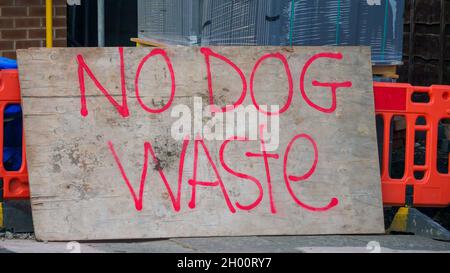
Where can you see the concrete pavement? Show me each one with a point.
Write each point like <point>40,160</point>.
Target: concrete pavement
<point>307,244</point>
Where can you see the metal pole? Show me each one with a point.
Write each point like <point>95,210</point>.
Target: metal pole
<point>101,22</point>
<point>49,22</point>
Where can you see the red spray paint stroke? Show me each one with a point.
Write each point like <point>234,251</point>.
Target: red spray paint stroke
<point>333,202</point>
<point>208,53</point>
<point>194,182</point>
<point>266,157</point>
<point>240,175</point>
<point>162,52</point>
<point>83,67</point>
<point>333,85</point>
<point>176,202</point>
<point>137,200</point>
<point>289,77</point>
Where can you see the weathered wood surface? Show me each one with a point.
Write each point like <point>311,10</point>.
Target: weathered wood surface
<point>79,193</point>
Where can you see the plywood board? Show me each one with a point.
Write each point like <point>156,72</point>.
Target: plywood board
<point>104,165</point>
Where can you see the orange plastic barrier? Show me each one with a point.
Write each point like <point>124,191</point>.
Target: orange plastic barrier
<point>422,112</point>
<point>15,183</point>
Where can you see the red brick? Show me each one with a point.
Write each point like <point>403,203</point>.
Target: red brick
<point>36,33</point>
<point>36,11</point>
<point>59,22</point>
<point>61,33</point>
<point>59,2</point>
<point>6,23</point>
<point>13,34</point>
<point>60,11</point>
<point>6,45</point>
<point>28,44</point>
<point>60,43</point>
<point>28,23</point>
<point>6,2</point>
<point>28,3</point>
<point>9,54</point>
<point>14,11</point>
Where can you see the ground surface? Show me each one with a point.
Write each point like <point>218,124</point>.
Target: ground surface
<point>363,243</point>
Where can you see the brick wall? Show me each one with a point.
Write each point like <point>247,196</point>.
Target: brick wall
<point>22,25</point>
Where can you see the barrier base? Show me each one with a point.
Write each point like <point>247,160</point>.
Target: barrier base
<point>410,220</point>
<point>17,216</point>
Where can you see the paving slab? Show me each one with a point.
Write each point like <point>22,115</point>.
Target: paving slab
<point>394,242</point>
<point>251,244</point>
<point>406,242</point>
<point>32,246</point>
<point>152,246</point>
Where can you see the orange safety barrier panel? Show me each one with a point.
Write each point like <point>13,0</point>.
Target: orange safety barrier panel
<point>422,112</point>
<point>15,183</point>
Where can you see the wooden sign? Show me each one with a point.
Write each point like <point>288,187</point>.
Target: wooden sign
<point>187,141</point>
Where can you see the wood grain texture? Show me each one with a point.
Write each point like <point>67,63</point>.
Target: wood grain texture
<point>78,192</point>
